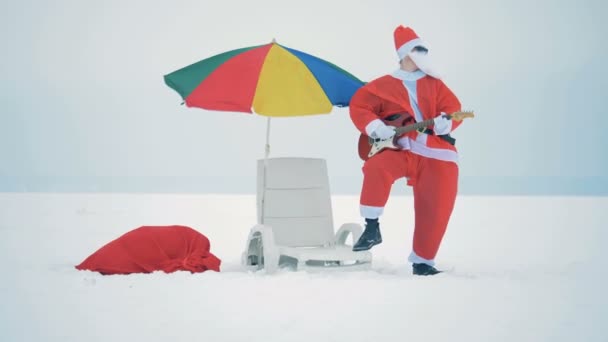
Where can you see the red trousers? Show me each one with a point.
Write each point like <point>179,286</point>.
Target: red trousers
<point>435,184</point>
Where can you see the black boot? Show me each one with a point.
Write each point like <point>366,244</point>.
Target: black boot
<point>424,269</point>
<point>370,237</point>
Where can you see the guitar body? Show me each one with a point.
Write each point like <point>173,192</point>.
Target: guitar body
<point>368,147</point>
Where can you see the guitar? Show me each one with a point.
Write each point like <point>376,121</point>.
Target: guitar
<point>369,147</point>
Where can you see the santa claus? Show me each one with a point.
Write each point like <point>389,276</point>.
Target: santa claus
<point>427,157</point>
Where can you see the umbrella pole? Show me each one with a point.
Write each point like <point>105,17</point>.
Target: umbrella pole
<point>266,154</point>
<point>267,151</point>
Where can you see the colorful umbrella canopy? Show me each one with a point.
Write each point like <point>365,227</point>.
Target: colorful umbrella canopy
<point>270,80</point>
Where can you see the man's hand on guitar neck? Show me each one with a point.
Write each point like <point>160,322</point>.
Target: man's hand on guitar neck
<point>442,125</point>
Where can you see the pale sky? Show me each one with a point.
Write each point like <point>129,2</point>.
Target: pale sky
<point>83,105</point>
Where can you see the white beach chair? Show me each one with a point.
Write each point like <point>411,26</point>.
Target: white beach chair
<point>295,222</point>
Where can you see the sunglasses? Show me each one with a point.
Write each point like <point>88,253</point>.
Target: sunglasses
<point>420,49</point>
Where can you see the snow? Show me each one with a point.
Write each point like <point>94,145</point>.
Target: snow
<point>520,269</point>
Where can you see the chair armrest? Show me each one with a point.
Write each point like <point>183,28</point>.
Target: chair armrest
<point>348,228</point>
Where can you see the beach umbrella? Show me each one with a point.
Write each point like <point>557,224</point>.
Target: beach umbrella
<point>270,80</point>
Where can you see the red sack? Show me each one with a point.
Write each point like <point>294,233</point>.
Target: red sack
<point>154,248</point>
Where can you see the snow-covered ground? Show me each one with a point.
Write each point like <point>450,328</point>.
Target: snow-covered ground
<point>522,269</point>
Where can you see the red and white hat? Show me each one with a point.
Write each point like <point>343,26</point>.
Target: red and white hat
<point>405,40</point>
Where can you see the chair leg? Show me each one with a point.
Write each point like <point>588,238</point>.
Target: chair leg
<point>261,251</point>
<point>252,257</point>
<point>301,265</point>
<point>270,254</point>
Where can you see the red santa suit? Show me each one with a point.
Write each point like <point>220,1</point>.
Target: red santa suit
<point>427,161</point>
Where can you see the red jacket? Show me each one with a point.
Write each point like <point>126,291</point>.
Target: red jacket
<point>388,95</point>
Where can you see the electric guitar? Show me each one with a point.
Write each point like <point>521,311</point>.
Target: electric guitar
<point>369,147</point>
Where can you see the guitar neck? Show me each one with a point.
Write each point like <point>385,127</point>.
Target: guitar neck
<point>415,126</point>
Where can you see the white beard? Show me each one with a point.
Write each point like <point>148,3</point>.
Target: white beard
<point>425,63</point>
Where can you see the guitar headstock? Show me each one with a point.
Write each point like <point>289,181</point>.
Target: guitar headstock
<point>459,116</point>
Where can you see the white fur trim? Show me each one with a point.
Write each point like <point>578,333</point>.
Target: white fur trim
<point>422,138</point>
<point>412,91</point>
<point>405,49</point>
<point>404,143</point>
<point>415,259</point>
<point>371,212</point>
<point>419,147</point>
<point>408,76</point>
<point>435,153</point>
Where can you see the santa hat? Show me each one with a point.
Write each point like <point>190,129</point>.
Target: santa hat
<point>405,40</point>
